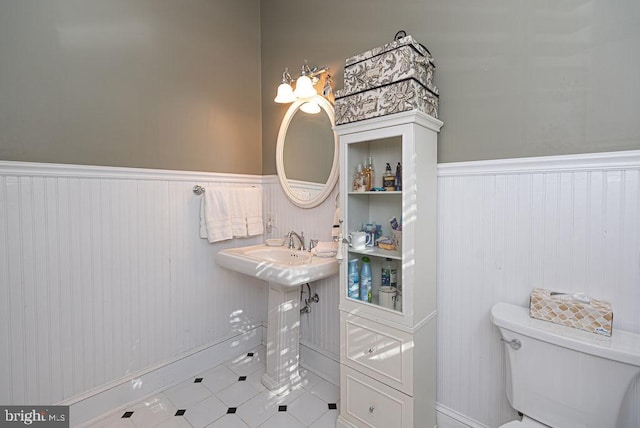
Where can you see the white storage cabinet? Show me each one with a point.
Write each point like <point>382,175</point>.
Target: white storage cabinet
<point>388,356</point>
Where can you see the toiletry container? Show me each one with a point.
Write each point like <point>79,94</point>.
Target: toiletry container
<point>559,376</point>
<point>354,280</point>
<point>365,280</point>
<point>388,179</point>
<point>369,174</point>
<point>358,179</point>
<point>389,274</point>
<point>387,296</point>
<point>372,173</point>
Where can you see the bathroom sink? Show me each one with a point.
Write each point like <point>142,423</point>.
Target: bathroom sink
<point>278,265</point>
<point>280,255</point>
<point>285,269</point>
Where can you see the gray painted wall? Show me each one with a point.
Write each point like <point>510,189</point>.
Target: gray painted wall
<point>517,78</point>
<point>189,85</point>
<point>148,83</point>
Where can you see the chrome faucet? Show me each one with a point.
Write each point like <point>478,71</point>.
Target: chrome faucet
<point>300,237</point>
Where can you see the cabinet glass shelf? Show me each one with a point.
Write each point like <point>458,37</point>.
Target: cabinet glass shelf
<point>374,302</point>
<point>370,193</point>
<point>378,252</point>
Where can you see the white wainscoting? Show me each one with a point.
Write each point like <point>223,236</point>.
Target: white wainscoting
<point>103,276</point>
<point>566,223</point>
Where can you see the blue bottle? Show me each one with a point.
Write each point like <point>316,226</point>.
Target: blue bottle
<point>353,288</point>
<point>365,280</point>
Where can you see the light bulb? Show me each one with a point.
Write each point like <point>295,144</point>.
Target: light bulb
<point>304,88</point>
<point>310,107</point>
<point>285,94</point>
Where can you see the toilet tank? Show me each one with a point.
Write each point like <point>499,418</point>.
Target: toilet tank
<point>565,377</point>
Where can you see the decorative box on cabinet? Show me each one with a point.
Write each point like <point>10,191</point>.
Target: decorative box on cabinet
<point>392,78</point>
<point>387,356</point>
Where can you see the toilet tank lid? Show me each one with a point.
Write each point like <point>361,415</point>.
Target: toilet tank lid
<point>622,346</point>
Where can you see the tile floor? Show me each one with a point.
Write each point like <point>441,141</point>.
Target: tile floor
<point>231,395</point>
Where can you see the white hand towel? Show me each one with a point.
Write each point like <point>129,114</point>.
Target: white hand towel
<point>215,220</point>
<point>238,211</point>
<point>254,211</point>
<point>335,230</point>
<point>326,247</point>
<point>203,222</point>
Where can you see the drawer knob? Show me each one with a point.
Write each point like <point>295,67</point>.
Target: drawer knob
<point>372,408</point>
<point>371,350</point>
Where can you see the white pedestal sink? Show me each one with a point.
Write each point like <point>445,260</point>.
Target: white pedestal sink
<point>285,270</point>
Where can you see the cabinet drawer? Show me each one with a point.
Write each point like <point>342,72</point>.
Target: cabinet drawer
<point>367,402</point>
<point>379,351</point>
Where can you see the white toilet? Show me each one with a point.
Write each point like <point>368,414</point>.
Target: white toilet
<point>562,377</point>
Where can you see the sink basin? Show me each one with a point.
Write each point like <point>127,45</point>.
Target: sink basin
<point>278,265</point>
<point>280,255</point>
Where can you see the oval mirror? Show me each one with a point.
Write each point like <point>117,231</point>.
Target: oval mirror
<point>307,153</point>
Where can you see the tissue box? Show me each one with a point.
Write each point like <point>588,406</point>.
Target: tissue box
<point>595,316</point>
<point>401,59</point>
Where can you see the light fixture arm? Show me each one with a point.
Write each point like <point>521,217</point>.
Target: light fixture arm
<point>317,71</point>
<point>286,77</point>
<point>304,83</point>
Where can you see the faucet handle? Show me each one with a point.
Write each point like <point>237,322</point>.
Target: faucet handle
<point>312,244</point>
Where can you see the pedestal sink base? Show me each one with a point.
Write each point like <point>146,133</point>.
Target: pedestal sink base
<point>285,269</point>
<point>283,338</point>
<point>279,389</point>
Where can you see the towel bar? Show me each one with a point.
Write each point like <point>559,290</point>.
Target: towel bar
<point>198,189</point>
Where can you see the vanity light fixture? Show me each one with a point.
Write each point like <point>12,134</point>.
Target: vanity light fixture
<point>310,107</point>
<point>304,87</point>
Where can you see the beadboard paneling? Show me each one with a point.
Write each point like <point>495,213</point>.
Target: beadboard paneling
<point>505,227</point>
<point>127,281</point>
<point>103,274</point>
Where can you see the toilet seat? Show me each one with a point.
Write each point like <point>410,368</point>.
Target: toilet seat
<point>524,423</point>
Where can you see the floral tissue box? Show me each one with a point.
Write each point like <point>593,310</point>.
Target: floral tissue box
<point>572,310</point>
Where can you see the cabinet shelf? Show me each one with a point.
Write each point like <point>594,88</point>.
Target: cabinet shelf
<point>385,192</point>
<point>375,302</point>
<point>378,252</point>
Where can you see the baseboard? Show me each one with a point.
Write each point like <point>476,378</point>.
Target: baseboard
<point>322,363</point>
<point>85,411</point>
<point>449,418</point>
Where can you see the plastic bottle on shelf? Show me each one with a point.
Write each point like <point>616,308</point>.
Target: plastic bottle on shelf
<point>370,173</point>
<point>353,289</point>
<point>389,273</point>
<point>398,180</point>
<point>358,179</point>
<point>365,280</point>
<point>366,177</point>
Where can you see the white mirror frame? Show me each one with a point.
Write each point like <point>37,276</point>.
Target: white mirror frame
<point>335,170</point>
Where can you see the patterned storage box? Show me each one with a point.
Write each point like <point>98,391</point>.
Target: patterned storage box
<point>389,79</point>
<point>397,97</point>
<point>401,59</point>
<point>591,315</point>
